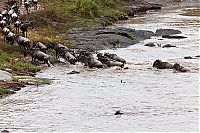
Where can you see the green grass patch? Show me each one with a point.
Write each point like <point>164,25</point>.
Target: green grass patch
<point>33,80</point>
<point>4,91</point>
<point>25,66</point>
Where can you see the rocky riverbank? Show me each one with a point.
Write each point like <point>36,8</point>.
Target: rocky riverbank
<point>101,38</point>
<point>94,39</point>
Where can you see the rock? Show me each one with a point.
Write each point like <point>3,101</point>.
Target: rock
<point>173,37</point>
<point>118,112</point>
<point>161,32</point>
<point>168,46</point>
<point>189,57</point>
<point>93,39</point>
<point>5,75</point>
<point>4,131</point>
<point>74,72</point>
<point>150,44</point>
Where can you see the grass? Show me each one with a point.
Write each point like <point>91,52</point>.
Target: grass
<point>4,91</point>
<point>36,81</point>
<point>192,12</point>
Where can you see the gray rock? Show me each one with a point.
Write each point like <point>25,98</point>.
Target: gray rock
<point>5,75</point>
<point>161,32</point>
<point>105,38</point>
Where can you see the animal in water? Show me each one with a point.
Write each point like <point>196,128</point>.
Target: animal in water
<point>24,28</point>
<point>118,112</point>
<point>89,60</point>
<point>58,47</point>
<point>39,55</point>
<point>115,57</point>
<point>108,61</point>
<point>69,57</point>
<point>179,68</point>
<point>162,65</point>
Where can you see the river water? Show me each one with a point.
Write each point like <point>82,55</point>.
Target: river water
<point>151,100</point>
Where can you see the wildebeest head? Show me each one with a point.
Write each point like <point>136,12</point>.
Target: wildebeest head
<point>157,63</point>
<point>177,66</point>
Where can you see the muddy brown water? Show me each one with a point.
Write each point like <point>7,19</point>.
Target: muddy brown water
<point>151,100</point>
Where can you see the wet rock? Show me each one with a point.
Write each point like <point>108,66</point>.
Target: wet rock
<point>150,44</point>
<point>168,46</point>
<point>173,37</point>
<point>4,131</point>
<point>93,39</point>
<point>5,75</point>
<point>197,56</point>
<point>189,57</point>
<point>162,32</point>
<point>118,112</point>
<point>74,72</point>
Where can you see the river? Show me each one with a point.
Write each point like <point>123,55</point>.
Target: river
<point>151,99</point>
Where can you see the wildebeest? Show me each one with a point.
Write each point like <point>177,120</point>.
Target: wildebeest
<point>39,55</point>
<point>88,59</point>
<point>179,68</point>
<point>41,46</point>
<point>162,65</point>
<point>58,47</point>
<point>10,38</point>
<point>22,41</point>
<point>2,23</point>
<point>14,17</point>
<point>24,28</point>
<point>6,31</point>
<point>108,61</point>
<point>69,57</point>
<point>35,3</point>
<point>27,6</point>
<point>17,24</point>
<point>115,57</point>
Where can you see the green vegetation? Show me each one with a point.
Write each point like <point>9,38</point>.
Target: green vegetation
<point>59,16</point>
<point>36,81</point>
<point>192,12</point>
<point>22,65</point>
<point>10,57</point>
<point>4,91</point>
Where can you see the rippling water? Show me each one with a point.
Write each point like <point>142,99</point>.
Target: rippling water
<point>152,100</point>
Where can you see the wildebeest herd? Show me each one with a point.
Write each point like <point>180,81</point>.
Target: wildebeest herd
<point>9,17</point>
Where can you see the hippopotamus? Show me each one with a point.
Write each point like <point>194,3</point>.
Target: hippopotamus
<point>162,65</point>
<point>179,68</point>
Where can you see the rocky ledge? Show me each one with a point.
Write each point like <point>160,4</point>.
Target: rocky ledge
<point>94,39</point>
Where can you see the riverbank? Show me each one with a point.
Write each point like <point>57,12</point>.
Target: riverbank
<point>55,19</point>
